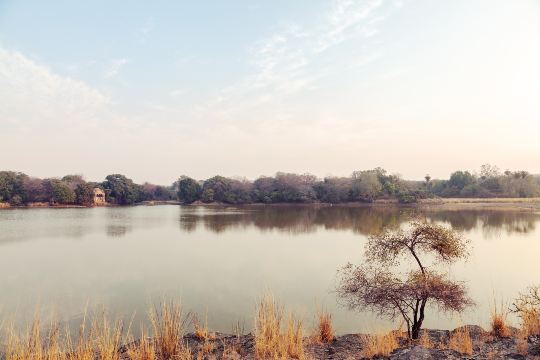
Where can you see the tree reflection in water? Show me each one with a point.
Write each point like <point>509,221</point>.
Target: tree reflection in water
<point>365,220</point>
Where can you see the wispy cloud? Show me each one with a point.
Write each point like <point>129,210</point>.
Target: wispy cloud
<point>298,57</point>
<point>32,94</point>
<point>114,68</point>
<point>347,19</point>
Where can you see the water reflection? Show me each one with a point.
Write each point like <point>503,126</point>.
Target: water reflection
<point>492,223</point>
<point>361,220</point>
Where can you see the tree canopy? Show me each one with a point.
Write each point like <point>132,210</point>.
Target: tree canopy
<point>383,286</point>
<point>361,186</point>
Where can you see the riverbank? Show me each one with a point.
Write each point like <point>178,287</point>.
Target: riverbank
<point>275,335</point>
<point>434,203</point>
<point>435,344</point>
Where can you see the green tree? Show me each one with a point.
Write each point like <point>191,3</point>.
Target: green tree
<point>12,187</point>
<point>59,191</point>
<point>366,185</point>
<point>121,190</point>
<point>84,194</point>
<point>189,190</point>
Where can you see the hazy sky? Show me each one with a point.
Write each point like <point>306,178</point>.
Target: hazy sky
<point>163,88</point>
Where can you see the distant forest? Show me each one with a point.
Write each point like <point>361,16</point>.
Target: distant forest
<point>19,189</point>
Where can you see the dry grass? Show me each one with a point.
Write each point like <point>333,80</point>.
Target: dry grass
<point>498,321</point>
<point>461,341</point>
<point>144,349</point>
<point>103,341</point>
<point>83,349</point>
<point>168,325</point>
<point>107,337</point>
<point>324,332</point>
<point>522,346</point>
<point>270,342</point>
<point>201,331</point>
<point>33,344</point>
<point>379,345</point>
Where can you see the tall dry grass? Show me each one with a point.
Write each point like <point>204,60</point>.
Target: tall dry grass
<point>101,338</point>
<point>102,342</point>
<point>33,344</point>
<point>107,337</point>
<point>168,324</point>
<point>379,344</point>
<point>270,340</point>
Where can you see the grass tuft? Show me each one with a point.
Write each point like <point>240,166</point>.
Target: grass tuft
<point>325,331</point>
<point>379,345</point>
<point>270,342</point>
<point>461,341</point>
<point>498,321</point>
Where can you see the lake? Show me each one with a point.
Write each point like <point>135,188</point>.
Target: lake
<point>219,260</point>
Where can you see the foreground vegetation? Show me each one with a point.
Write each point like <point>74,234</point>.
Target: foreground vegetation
<point>19,189</point>
<point>276,335</point>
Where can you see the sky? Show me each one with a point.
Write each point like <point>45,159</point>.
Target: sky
<point>247,88</point>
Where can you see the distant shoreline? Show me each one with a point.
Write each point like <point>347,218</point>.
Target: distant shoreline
<point>436,203</point>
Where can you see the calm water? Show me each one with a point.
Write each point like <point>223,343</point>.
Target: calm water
<point>219,260</point>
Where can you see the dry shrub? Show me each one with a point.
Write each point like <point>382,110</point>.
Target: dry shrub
<point>460,341</point>
<point>379,345</point>
<point>530,321</point>
<point>527,306</point>
<point>270,343</point>
<point>425,340</point>
<point>324,331</point>
<point>168,325</point>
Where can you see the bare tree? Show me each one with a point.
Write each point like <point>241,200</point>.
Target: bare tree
<point>384,285</point>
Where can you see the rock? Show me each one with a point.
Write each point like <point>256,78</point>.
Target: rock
<point>420,353</point>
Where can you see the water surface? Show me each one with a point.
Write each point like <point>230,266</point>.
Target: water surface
<point>219,260</point>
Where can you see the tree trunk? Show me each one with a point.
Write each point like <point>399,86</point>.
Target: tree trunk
<point>417,325</point>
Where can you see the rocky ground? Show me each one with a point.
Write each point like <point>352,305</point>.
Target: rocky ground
<point>485,346</point>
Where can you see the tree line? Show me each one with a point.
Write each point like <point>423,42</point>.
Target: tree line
<point>19,189</point>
